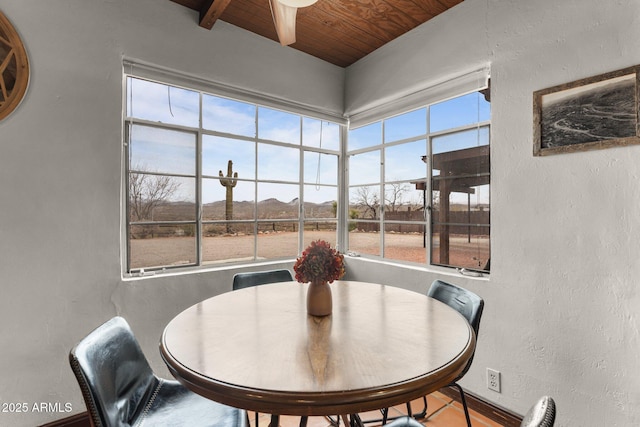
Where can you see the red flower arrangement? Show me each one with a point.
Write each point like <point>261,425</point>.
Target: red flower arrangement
<point>319,262</point>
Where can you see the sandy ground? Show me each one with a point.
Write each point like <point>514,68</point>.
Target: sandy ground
<point>406,247</point>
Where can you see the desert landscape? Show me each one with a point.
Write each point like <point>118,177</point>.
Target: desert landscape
<point>470,252</point>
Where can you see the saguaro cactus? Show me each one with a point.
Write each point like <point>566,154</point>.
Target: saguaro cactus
<point>229,182</point>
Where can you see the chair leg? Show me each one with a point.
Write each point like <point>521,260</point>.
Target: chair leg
<point>423,413</point>
<point>303,421</point>
<point>332,422</point>
<point>464,403</point>
<point>385,415</point>
<point>356,421</point>
<point>275,421</point>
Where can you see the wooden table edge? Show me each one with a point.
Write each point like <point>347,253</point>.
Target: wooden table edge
<point>318,403</point>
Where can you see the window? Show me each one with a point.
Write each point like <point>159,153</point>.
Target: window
<point>216,180</point>
<point>419,185</point>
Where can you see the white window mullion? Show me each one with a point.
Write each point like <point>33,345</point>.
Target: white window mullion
<point>343,192</point>
<point>255,189</point>
<point>301,216</point>
<point>199,186</point>
<point>381,209</point>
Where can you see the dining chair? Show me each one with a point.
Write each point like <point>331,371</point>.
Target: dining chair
<point>119,387</point>
<point>542,414</point>
<point>254,278</point>
<point>470,306</point>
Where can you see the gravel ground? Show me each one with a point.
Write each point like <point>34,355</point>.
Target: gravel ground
<point>399,246</point>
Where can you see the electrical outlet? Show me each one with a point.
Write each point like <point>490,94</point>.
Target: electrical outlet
<point>493,380</point>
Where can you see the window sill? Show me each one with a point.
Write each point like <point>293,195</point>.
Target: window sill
<point>132,277</point>
<point>445,271</point>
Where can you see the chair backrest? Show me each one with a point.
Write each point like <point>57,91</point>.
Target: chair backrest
<point>254,278</point>
<point>113,373</point>
<point>464,302</point>
<point>542,414</point>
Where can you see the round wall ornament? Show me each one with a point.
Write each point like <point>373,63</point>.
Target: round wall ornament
<point>14,68</point>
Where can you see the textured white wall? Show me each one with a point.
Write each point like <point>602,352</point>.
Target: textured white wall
<point>562,303</point>
<point>60,171</point>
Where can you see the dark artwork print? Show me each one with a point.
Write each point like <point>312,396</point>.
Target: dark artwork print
<point>596,112</point>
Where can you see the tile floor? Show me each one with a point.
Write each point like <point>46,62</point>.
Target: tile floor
<point>442,412</point>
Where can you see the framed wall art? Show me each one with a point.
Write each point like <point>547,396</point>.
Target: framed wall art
<point>589,114</point>
<point>14,68</point>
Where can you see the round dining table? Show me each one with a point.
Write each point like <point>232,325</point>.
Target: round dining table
<point>258,349</point>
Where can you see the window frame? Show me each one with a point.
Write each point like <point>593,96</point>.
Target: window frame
<point>200,222</point>
<point>430,94</point>
<point>428,222</point>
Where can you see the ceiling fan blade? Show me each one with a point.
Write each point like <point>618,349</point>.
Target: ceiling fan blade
<point>284,17</point>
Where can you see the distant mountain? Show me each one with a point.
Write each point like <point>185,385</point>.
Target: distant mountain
<point>268,208</point>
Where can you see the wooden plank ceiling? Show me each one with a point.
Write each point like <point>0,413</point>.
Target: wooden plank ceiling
<point>337,31</point>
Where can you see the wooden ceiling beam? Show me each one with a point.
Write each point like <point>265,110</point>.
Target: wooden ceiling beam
<point>211,11</point>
